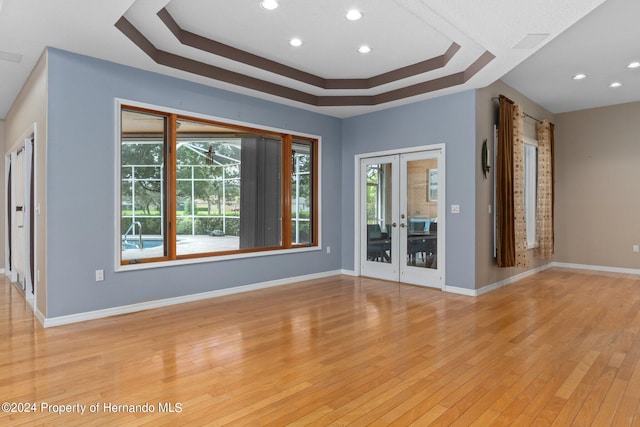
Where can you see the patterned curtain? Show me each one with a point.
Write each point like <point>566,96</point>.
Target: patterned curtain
<point>544,214</point>
<point>519,214</point>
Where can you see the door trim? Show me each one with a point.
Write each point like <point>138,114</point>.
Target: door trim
<point>31,226</point>
<point>356,191</point>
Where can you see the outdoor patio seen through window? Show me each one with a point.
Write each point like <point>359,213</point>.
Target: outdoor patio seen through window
<point>193,188</point>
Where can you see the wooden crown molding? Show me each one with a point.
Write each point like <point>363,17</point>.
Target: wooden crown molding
<point>217,73</point>
<point>202,43</point>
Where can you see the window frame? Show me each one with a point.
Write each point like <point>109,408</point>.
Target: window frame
<point>432,189</point>
<point>170,189</point>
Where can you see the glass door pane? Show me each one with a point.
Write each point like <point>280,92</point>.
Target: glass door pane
<point>378,213</point>
<point>422,218</point>
<point>379,249</point>
<point>422,213</point>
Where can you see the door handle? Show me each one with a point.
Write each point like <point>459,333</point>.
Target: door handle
<point>402,225</point>
<point>394,225</point>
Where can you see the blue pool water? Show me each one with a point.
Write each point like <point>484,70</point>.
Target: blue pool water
<point>147,243</point>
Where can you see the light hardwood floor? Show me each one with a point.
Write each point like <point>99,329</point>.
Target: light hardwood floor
<point>559,348</point>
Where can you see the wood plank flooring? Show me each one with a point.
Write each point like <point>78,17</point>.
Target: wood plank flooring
<point>559,348</point>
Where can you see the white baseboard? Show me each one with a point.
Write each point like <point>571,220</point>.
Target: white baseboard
<point>115,311</point>
<point>513,279</point>
<point>460,291</point>
<point>517,277</point>
<point>40,317</point>
<point>492,287</point>
<point>348,272</point>
<point>602,268</point>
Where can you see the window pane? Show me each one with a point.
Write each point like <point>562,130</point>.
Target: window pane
<point>530,191</point>
<point>184,207</point>
<point>260,192</point>
<point>142,189</point>
<point>301,193</point>
<point>228,189</point>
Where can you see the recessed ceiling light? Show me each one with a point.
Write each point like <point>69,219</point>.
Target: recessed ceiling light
<point>579,76</point>
<point>354,15</point>
<point>269,4</point>
<point>364,49</point>
<point>615,84</point>
<point>634,64</point>
<point>295,42</point>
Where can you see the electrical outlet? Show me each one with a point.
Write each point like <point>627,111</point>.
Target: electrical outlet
<point>99,275</point>
<point>636,248</point>
<point>455,209</point>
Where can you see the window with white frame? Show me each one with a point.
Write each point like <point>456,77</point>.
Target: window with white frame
<point>531,189</point>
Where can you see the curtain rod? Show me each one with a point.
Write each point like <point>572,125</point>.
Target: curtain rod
<point>531,117</point>
<point>495,98</point>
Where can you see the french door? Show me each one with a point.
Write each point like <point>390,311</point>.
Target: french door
<point>402,218</point>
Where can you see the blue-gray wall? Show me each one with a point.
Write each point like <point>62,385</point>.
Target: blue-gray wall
<point>449,120</point>
<point>81,174</point>
<point>80,186</point>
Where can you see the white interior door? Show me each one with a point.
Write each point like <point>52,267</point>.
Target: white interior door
<point>402,218</point>
<point>18,235</point>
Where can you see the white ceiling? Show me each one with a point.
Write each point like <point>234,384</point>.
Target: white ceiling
<point>400,32</point>
<point>601,45</point>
